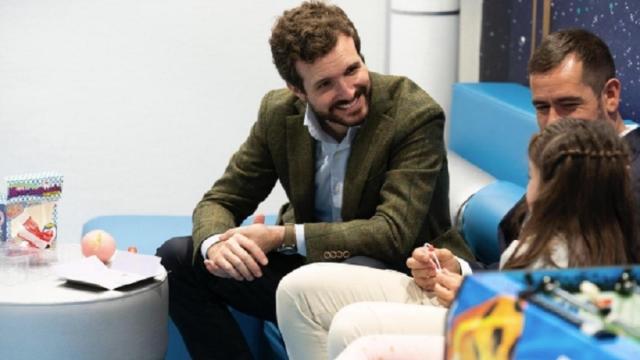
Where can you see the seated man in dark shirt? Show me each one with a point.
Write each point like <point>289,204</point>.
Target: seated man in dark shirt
<point>572,73</point>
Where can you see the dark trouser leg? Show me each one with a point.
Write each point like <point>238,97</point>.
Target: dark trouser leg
<point>258,297</point>
<point>198,300</point>
<point>207,327</point>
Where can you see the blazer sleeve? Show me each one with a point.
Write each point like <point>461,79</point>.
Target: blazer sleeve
<point>248,179</point>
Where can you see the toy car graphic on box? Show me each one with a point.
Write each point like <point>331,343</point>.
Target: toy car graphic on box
<point>547,314</point>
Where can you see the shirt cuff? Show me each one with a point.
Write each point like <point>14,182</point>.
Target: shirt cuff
<point>465,268</point>
<point>210,241</point>
<point>300,240</point>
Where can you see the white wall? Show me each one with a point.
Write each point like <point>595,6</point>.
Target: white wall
<point>140,103</point>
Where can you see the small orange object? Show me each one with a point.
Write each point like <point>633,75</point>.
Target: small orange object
<point>98,243</point>
<point>604,303</point>
<point>132,249</point>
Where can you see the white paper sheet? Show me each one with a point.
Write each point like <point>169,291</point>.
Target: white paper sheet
<point>125,268</point>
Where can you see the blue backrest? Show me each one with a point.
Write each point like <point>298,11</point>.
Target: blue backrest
<point>146,232</point>
<point>490,126</point>
<point>483,213</point>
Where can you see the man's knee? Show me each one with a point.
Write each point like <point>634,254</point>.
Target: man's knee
<point>295,292</point>
<point>176,252</point>
<point>302,280</point>
<point>293,284</point>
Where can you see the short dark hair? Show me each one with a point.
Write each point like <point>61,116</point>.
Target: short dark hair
<point>307,32</point>
<point>597,63</point>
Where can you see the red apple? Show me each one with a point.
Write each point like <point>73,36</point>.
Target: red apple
<point>99,243</point>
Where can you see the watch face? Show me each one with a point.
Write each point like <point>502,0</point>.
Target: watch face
<point>287,249</point>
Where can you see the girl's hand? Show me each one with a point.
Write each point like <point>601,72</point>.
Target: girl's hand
<point>446,286</point>
<point>424,269</point>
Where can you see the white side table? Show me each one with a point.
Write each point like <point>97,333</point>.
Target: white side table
<point>47,318</point>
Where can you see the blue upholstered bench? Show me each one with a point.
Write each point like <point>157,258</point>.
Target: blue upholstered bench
<point>147,233</point>
<point>490,127</point>
<point>482,215</point>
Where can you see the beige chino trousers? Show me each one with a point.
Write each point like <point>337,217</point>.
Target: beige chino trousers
<point>323,307</point>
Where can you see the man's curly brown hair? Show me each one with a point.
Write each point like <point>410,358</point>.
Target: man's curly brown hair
<point>308,32</point>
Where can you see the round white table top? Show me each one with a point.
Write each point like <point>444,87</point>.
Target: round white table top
<point>40,286</point>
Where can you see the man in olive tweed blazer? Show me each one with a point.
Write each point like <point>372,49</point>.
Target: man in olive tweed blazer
<point>388,194</point>
<point>395,187</point>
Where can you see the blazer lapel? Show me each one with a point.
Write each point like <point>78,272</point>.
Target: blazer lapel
<point>301,154</point>
<point>368,145</point>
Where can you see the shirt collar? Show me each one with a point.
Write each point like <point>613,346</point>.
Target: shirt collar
<point>628,127</point>
<point>315,130</point>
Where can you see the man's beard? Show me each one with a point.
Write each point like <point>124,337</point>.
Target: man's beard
<point>361,91</point>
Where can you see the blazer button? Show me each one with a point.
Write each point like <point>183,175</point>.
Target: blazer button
<point>326,255</point>
<point>346,254</point>
<point>334,254</point>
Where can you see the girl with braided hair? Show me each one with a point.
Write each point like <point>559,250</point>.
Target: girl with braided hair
<point>581,213</point>
<point>580,198</point>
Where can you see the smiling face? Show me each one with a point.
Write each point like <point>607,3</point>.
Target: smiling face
<point>561,92</point>
<point>337,87</point>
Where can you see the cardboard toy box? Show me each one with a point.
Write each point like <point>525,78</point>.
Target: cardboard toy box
<point>28,213</point>
<point>547,314</point>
